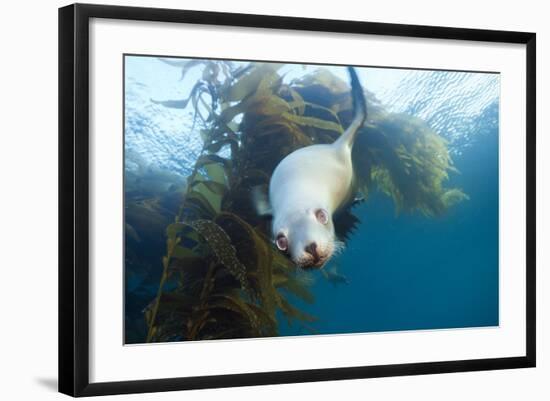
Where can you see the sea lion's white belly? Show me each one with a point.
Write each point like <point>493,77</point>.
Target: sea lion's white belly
<point>315,175</point>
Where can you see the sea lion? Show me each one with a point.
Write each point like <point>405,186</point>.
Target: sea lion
<point>308,186</point>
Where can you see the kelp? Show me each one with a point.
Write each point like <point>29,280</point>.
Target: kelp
<point>406,160</point>
<point>225,276</point>
<point>221,276</point>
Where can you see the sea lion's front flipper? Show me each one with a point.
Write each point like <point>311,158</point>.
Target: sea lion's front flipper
<point>261,201</point>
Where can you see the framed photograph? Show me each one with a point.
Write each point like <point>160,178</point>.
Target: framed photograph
<point>250,199</point>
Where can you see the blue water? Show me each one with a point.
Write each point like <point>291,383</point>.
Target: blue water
<point>404,272</point>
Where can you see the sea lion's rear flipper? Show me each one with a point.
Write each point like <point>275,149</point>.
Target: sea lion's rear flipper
<point>359,111</point>
<point>261,201</point>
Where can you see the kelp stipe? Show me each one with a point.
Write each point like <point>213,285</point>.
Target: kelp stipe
<point>222,277</point>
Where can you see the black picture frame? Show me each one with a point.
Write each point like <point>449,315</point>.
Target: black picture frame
<point>74,198</point>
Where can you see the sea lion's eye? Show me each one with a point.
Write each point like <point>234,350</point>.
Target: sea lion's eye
<point>322,216</point>
<point>282,242</point>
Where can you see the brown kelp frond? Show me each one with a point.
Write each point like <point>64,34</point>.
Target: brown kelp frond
<point>256,251</point>
<point>257,78</point>
<point>293,314</point>
<point>405,159</point>
<point>220,243</point>
<point>210,180</point>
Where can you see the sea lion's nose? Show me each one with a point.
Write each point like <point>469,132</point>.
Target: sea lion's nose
<point>312,250</point>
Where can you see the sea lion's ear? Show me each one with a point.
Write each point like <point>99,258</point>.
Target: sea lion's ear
<point>261,201</point>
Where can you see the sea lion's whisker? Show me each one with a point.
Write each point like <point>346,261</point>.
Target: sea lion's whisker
<point>339,247</point>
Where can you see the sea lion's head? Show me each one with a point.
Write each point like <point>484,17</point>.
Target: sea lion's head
<point>306,236</point>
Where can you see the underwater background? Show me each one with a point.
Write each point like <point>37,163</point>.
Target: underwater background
<point>399,271</point>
